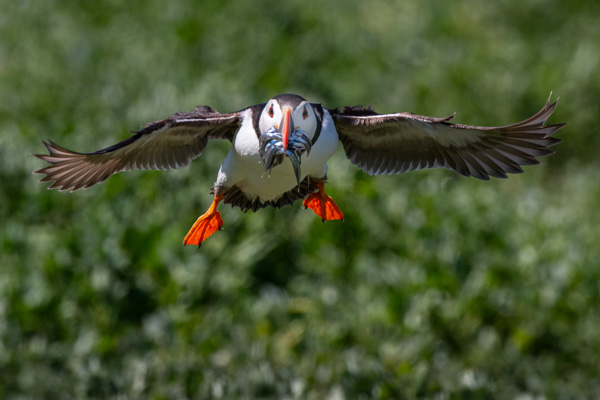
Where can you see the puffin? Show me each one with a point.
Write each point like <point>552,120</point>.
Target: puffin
<point>280,150</point>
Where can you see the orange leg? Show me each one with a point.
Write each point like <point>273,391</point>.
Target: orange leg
<point>323,205</point>
<point>206,225</point>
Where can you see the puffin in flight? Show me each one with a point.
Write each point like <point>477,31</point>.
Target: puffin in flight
<point>280,151</point>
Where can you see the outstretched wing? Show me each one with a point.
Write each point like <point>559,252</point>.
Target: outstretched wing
<point>166,144</point>
<point>394,143</point>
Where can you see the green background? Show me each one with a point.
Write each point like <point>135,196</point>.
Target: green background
<point>435,285</point>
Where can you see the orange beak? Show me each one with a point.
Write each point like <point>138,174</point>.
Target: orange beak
<point>286,128</point>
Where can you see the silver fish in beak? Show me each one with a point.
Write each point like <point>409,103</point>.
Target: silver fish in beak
<point>272,149</point>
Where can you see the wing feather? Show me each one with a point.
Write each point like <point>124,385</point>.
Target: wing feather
<point>166,144</point>
<point>394,143</point>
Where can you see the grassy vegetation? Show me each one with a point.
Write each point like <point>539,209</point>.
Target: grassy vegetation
<point>435,286</point>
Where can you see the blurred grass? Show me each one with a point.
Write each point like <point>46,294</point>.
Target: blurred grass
<point>434,286</point>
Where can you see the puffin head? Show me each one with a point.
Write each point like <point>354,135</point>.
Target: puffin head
<point>287,125</point>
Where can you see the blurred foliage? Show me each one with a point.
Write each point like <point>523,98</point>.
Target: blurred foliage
<point>435,286</point>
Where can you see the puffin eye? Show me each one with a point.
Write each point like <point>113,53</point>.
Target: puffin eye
<point>271,112</point>
<point>305,113</point>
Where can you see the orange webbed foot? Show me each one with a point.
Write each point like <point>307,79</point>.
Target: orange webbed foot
<point>206,225</point>
<point>323,205</point>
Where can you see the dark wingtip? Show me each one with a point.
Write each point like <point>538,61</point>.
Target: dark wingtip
<point>556,127</point>
<point>42,157</point>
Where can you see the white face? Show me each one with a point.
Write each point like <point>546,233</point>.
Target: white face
<point>303,117</point>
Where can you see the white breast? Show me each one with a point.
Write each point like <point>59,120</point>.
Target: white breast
<point>242,166</point>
